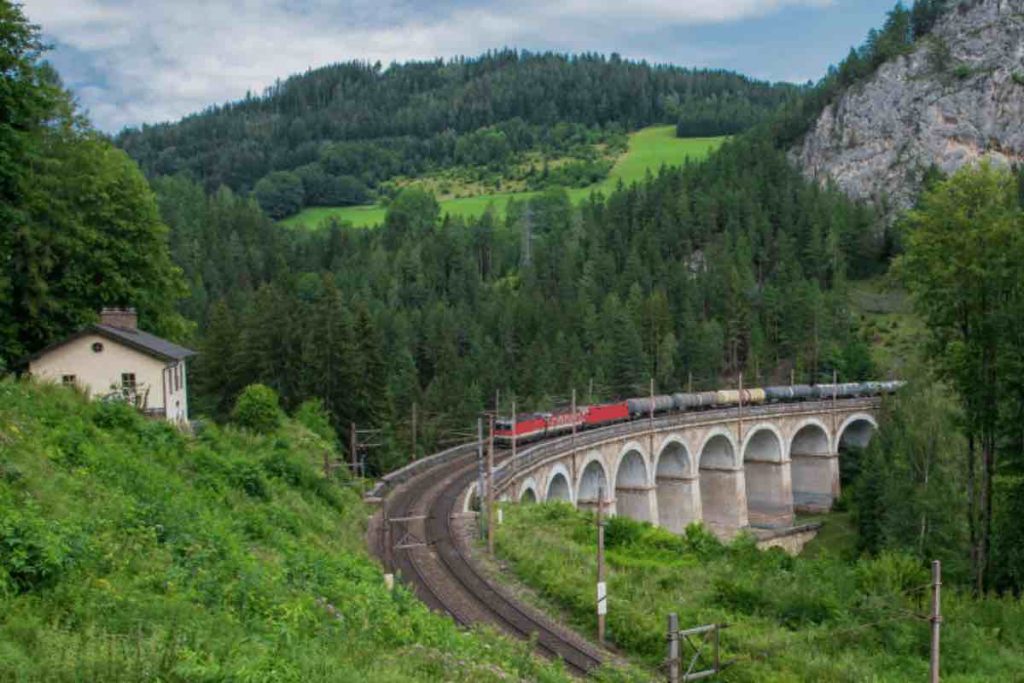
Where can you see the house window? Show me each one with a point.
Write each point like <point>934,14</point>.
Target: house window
<point>128,381</point>
<point>67,380</point>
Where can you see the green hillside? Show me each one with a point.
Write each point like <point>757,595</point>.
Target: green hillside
<point>130,552</point>
<point>649,149</point>
<point>790,619</point>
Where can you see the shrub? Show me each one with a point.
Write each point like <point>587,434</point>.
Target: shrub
<point>33,551</point>
<point>248,477</point>
<point>622,531</point>
<point>313,416</point>
<point>257,409</point>
<point>116,415</point>
<point>1018,77</point>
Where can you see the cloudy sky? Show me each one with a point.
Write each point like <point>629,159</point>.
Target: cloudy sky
<point>137,61</point>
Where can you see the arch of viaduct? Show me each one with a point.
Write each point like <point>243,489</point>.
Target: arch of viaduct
<point>725,468</point>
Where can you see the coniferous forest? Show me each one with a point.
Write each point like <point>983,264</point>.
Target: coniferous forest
<point>697,274</point>
<point>333,135</point>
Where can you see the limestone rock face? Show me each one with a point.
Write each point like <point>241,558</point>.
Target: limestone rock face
<point>957,98</point>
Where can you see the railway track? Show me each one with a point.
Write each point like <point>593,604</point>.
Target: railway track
<point>445,578</point>
<point>441,572</point>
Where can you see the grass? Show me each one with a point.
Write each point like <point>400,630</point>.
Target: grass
<point>131,552</point>
<point>821,618</point>
<point>649,149</point>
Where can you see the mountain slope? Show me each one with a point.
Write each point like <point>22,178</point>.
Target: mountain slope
<point>334,135</point>
<point>957,97</point>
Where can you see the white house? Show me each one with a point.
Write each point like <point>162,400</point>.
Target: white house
<point>115,359</point>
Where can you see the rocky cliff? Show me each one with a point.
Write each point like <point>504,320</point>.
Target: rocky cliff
<point>958,97</point>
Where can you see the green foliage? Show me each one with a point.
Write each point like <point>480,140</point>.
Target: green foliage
<point>257,408</point>
<point>908,494</point>
<point>965,247</point>
<point>280,194</point>
<point>1008,534</point>
<point>790,618</point>
<point>649,149</point>
<point>312,415</point>
<point>151,555</point>
<point>341,133</point>
<point>66,253</point>
<point>1018,77</point>
<point>675,275</point>
<point>963,71</point>
<point>33,551</point>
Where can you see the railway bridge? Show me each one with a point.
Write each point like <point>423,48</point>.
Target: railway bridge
<point>731,469</point>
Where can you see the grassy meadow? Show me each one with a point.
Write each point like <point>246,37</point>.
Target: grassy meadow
<point>649,149</point>
<point>821,617</point>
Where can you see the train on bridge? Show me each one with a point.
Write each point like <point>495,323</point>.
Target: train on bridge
<point>529,426</point>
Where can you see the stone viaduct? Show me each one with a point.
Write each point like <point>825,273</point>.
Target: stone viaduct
<point>732,469</point>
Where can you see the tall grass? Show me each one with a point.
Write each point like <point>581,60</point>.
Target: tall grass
<point>791,619</point>
<point>131,552</point>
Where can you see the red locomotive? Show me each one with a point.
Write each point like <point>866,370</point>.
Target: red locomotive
<point>539,425</point>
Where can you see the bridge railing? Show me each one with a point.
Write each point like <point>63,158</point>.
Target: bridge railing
<point>531,456</point>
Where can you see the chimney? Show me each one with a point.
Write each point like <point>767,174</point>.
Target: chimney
<point>125,318</point>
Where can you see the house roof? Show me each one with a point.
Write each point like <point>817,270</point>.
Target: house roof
<point>144,342</point>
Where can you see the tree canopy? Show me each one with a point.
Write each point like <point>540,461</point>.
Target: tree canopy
<point>81,225</point>
<point>334,135</point>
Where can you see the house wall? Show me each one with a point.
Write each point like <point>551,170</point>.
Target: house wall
<point>100,373</point>
<point>175,379</point>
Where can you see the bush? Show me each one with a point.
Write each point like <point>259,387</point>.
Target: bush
<point>313,416</point>
<point>1018,77</point>
<point>257,408</point>
<point>33,551</point>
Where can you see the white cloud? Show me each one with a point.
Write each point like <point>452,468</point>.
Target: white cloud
<point>132,61</point>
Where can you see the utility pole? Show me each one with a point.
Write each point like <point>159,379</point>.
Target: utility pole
<point>602,589</point>
<point>673,647</point>
<point>590,393</point>
<point>490,487</point>
<point>835,387</point>
<point>689,382</point>
<point>650,438</point>
<point>414,431</point>
<point>353,442</point>
<point>389,575</point>
<point>514,422</point>
<point>936,619</point>
<point>574,420</point>
<point>792,377</point>
<point>651,411</point>
<point>481,491</point>
<point>739,428</point>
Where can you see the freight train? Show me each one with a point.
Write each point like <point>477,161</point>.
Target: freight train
<point>531,426</point>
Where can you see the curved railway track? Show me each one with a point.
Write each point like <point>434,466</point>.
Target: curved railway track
<point>445,578</point>
<point>442,573</point>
